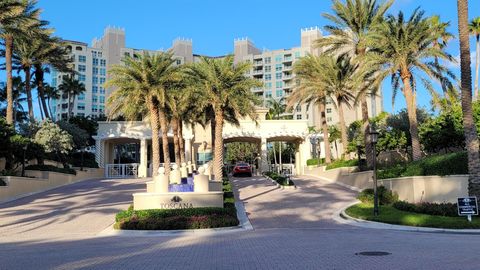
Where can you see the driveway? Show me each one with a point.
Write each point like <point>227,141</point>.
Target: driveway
<point>293,229</point>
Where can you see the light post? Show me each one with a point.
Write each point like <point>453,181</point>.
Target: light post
<point>23,160</point>
<point>374,139</point>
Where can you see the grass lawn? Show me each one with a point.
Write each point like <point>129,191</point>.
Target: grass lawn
<point>391,215</point>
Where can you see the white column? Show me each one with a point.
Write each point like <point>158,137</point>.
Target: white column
<point>304,153</point>
<point>298,160</point>
<point>143,167</point>
<point>263,155</point>
<point>188,149</point>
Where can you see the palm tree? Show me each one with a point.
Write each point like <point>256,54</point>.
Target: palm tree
<point>18,99</point>
<point>72,88</point>
<point>141,81</point>
<point>226,91</point>
<point>439,29</point>
<point>471,136</point>
<point>474,28</point>
<point>311,89</point>
<point>276,109</point>
<point>50,93</point>
<point>353,21</point>
<point>403,48</point>
<point>16,18</point>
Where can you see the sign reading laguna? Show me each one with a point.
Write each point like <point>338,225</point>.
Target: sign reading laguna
<point>176,203</point>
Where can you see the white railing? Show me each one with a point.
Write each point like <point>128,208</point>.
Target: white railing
<point>129,170</point>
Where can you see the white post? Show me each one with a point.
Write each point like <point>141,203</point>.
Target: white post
<point>200,181</point>
<point>143,167</point>
<point>161,181</point>
<point>263,155</point>
<point>188,148</point>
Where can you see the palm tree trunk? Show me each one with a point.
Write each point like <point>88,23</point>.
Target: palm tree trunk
<point>164,129</point>
<point>180,141</point>
<point>155,137</point>
<point>470,130</point>
<point>41,93</point>
<point>8,64</point>
<point>176,145</point>
<point>477,64</point>
<point>218,148</point>
<point>326,141</point>
<point>343,130</point>
<point>412,116</point>
<point>29,93</point>
<point>40,108</point>
<point>49,108</point>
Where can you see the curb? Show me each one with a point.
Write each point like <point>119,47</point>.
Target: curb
<point>342,217</point>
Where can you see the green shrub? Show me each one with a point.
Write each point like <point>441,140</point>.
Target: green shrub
<point>342,163</point>
<point>50,168</point>
<point>385,196</point>
<point>315,161</point>
<point>280,179</point>
<point>75,159</point>
<point>435,209</point>
<point>447,164</point>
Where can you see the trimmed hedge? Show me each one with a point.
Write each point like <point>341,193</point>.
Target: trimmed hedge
<point>385,196</point>
<point>280,179</point>
<point>50,168</point>
<point>435,209</point>
<point>342,163</point>
<point>447,164</point>
<point>181,219</point>
<point>315,161</point>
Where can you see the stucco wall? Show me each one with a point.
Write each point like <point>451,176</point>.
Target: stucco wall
<point>346,176</point>
<point>38,181</point>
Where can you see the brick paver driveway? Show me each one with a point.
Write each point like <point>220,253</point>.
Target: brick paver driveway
<point>293,229</point>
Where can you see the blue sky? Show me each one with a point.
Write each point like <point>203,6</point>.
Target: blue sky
<point>153,24</point>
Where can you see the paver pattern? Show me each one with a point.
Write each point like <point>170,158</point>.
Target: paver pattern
<point>293,229</point>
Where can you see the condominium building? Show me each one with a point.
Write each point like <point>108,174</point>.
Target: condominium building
<point>273,67</point>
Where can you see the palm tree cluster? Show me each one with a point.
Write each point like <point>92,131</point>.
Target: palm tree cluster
<point>29,47</point>
<point>366,46</point>
<point>212,91</point>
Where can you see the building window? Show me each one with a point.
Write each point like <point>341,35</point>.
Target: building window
<point>102,99</point>
<point>103,62</point>
<point>101,108</point>
<point>268,68</point>
<point>102,90</point>
<point>268,60</point>
<point>82,68</point>
<point>268,85</point>
<point>94,53</point>
<point>278,58</point>
<point>99,54</point>
<point>94,108</point>
<point>298,108</point>
<point>81,106</point>
<point>299,117</point>
<point>81,96</point>
<point>102,80</point>
<point>278,67</point>
<point>279,93</point>
<point>94,89</point>
<point>81,77</point>
<point>268,77</point>
<point>278,84</point>
<point>94,99</point>
<point>329,119</point>
<point>329,110</point>
<point>82,58</point>
<point>297,55</point>
<point>103,72</point>
<point>95,80</point>
<point>179,62</point>
<point>127,54</point>
<point>95,71</point>
<point>95,61</point>
<point>268,94</point>
<point>278,75</point>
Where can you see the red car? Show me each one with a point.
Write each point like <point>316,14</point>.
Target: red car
<point>242,169</point>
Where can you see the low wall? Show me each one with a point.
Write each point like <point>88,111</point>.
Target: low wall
<point>38,181</point>
<point>428,188</point>
<point>345,176</point>
<point>177,200</point>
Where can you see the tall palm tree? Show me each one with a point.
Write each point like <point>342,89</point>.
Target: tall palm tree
<point>15,19</point>
<point>72,88</point>
<point>470,130</point>
<point>403,48</point>
<point>277,108</point>
<point>439,29</point>
<point>141,81</point>
<point>311,89</point>
<point>50,93</point>
<point>19,114</point>
<point>474,28</point>
<point>226,90</point>
<point>353,21</point>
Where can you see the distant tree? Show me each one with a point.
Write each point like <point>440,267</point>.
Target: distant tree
<point>89,124</point>
<point>79,136</point>
<point>54,140</point>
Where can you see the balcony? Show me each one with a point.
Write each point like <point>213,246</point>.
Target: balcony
<point>287,76</point>
<point>257,62</point>
<point>287,58</point>
<point>258,71</point>
<point>287,67</point>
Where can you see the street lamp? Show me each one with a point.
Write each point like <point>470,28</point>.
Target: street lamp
<point>374,139</point>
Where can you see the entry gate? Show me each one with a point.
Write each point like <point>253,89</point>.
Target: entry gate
<point>129,170</point>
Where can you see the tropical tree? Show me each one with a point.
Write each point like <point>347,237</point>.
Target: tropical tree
<point>351,32</point>
<point>72,88</point>
<point>439,29</point>
<point>474,28</point>
<point>334,136</point>
<point>470,130</point>
<point>16,18</point>
<point>226,90</point>
<point>140,81</point>
<point>54,140</point>
<point>18,99</point>
<point>403,48</point>
<point>277,108</point>
<point>311,89</point>
<point>50,93</point>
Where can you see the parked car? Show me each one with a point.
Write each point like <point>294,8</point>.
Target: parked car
<point>242,169</point>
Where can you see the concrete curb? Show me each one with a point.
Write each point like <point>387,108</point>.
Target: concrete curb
<point>334,182</point>
<point>342,217</point>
